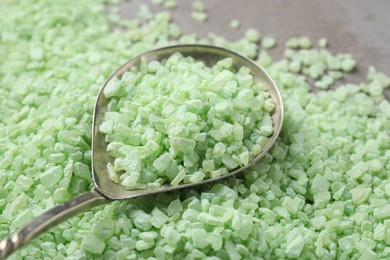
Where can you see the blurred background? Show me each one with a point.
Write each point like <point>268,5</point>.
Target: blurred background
<point>359,27</point>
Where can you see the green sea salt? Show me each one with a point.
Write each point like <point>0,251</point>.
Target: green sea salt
<point>198,6</point>
<point>157,2</point>
<point>304,42</point>
<point>170,4</point>
<point>292,43</point>
<point>234,23</point>
<point>322,192</point>
<point>252,35</point>
<point>93,244</point>
<point>323,42</point>
<point>268,42</point>
<point>51,176</point>
<point>178,138</point>
<point>199,16</point>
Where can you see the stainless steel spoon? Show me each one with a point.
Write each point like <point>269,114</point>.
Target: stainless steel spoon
<point>106,190</point>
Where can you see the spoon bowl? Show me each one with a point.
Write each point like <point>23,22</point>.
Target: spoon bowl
<point>210,55</point>
<point>105,189</point>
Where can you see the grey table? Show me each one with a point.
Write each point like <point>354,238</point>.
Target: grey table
<point>359,27</point>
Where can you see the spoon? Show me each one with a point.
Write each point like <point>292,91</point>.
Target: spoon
<point>105,189</point>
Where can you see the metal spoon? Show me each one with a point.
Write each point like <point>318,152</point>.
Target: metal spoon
<point>106,190</point>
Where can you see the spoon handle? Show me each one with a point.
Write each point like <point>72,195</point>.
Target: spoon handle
<point>50,219</point>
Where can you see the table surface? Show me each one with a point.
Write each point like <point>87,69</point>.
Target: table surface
<point>359,27</point>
